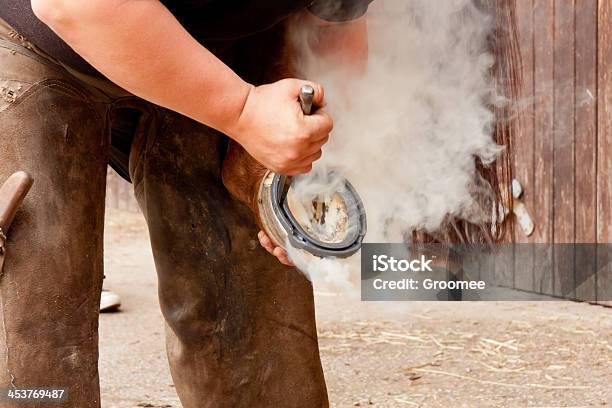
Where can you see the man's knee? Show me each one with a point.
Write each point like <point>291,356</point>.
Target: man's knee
<point>192,315</point>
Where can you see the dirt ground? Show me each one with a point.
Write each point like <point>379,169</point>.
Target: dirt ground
<point>391,354</point>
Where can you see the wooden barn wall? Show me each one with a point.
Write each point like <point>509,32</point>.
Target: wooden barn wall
<point>562,155</point>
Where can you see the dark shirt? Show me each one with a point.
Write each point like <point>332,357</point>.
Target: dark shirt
<point>216,24</point>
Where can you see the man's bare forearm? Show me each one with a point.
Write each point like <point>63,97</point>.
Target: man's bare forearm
<point>139,45</point>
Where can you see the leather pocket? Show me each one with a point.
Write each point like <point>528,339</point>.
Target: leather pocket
<point>14,92</point>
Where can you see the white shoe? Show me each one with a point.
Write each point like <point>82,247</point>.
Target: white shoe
<point>109,301</point>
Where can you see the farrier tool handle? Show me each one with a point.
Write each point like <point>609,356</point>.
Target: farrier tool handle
<point>12,193</point>
<point>306,96</point>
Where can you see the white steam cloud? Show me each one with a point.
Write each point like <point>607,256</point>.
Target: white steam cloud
<point>407,132</point>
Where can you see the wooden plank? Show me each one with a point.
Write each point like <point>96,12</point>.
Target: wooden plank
<point>543,141</point>
<point>586,148</point>
<point>504,266</point>
<point>604,151</point>
<point>487,267</point>
<point>563,156</point>
<point>523,153</point>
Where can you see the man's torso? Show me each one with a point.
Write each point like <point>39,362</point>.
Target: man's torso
<point>214,23</point>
